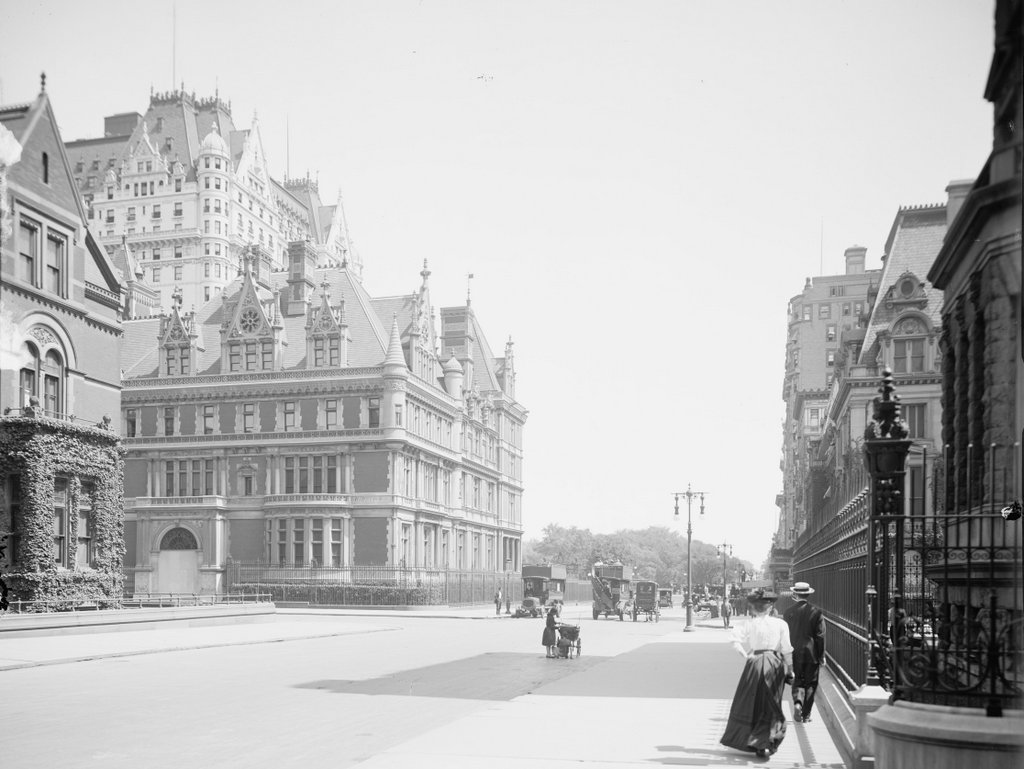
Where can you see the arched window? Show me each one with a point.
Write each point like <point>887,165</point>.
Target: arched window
<point>179,539</point>
<point>42,377</point>
<point>909,346</point>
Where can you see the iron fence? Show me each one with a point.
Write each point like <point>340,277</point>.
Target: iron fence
<point>373,585</point>
<point>946,580</point>
<point>832,557</point>
<point>954,627</point>
<point>137,601</point>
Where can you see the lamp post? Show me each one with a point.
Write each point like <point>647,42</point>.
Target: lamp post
<point>689,494</point>
<point>724,550</point>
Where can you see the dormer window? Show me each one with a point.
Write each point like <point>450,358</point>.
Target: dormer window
<point>908,356</point>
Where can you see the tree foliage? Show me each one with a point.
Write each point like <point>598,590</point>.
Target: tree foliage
<point>656,553</point>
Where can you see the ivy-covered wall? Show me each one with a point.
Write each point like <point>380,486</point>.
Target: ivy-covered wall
<point>35,451</point>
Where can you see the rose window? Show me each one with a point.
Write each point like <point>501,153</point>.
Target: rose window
<point>249,320</point>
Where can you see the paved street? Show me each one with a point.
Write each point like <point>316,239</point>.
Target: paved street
<point>381,692</point>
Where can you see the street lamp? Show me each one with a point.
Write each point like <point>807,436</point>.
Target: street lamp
<point>724,550</point>
<point>689,494</point>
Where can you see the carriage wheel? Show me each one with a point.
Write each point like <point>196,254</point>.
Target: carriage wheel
<point>596,613</point>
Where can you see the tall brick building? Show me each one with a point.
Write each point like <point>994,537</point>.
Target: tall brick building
<point>60,341</point>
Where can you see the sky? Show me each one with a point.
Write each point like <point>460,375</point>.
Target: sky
<point>638,189</point>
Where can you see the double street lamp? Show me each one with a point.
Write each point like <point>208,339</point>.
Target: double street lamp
<point>724,550</point>
<point>689,494</point>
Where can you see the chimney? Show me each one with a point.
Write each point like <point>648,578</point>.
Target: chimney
<point>957,192</point>
<point>855,258</point>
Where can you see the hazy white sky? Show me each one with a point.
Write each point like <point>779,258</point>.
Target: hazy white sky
<point>638,187</point>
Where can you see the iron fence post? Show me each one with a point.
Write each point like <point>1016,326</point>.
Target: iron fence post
<point>885,452</point>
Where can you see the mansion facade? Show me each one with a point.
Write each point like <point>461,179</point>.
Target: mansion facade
<point>296,421</point>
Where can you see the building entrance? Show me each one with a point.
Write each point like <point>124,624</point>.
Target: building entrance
<point>178,563</point>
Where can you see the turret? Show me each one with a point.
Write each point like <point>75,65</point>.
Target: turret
<point>453,376</point>
<point>396,373</point>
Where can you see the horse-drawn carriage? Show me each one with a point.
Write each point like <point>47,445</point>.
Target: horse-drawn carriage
<point>645,601</point>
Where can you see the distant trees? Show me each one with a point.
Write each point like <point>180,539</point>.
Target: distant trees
<point>656,553</point>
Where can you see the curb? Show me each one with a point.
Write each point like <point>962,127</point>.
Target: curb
<point>187,647</point>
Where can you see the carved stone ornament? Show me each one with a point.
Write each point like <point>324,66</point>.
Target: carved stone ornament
<point>909,327</point>
<point>395,385</point>
<point>43,335</point>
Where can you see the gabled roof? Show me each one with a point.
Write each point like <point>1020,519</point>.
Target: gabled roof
<point>26,121</point>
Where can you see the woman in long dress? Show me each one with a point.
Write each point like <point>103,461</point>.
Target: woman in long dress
<point>756,721</point>
<point>550,638</point>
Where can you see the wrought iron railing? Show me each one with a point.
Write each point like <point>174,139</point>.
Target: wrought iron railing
<point>954,630</point>
<point>833,559</point>
<point>136,601</point>
<point>948,576</point>
<point>372,585</point>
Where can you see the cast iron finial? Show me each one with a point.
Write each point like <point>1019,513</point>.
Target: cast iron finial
<point>42,82</point>
<point>886,421</point>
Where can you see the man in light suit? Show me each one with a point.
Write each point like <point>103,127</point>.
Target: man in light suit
<point>807,634</point>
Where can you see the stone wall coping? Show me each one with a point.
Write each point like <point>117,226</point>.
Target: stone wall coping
<point>952,726</point>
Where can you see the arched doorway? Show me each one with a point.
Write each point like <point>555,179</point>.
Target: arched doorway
<point>178,562</point>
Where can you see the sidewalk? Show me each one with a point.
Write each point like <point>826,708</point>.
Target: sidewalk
<point>595,718</point>
<point>663,702</point>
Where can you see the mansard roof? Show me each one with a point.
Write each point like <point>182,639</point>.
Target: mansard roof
<point>914,242</point>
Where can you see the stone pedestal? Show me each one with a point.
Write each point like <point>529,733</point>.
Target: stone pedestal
<point>864,702</point>
<point>911,736</point>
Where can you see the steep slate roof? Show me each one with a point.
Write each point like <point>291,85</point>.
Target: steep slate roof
<point>913,243</point>
<point>185,121</point>
<point>139,352</point>
<point>369,336</point>
<point>484,363</point>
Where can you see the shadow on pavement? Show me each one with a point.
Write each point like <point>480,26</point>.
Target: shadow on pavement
<point>694,671</point>
<point>499,676</point>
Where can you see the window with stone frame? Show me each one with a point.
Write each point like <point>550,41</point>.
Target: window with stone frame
<point>248,417</point>
<point>60,522</point>
<point>29,233</point>
<point>908,356</point>
<point>86,522</point>
<point>336,524</point>
<point>914,417</point>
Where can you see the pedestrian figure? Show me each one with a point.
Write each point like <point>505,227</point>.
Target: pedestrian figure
<point>726,612</point>
<point>756,721</point>
<point>807,634</point>
<point>508,604</point>
<point>550,637</point>
<point>497,601</point>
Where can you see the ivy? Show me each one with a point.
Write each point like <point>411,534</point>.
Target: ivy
<point>36,450</point>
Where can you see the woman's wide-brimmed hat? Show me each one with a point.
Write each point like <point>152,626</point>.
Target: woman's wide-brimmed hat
<point>802,588</point>
<point>759,595</point>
